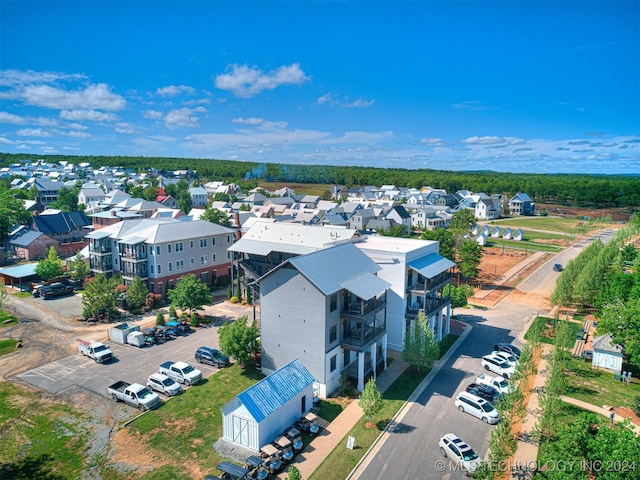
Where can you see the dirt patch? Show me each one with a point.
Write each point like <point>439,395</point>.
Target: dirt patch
<point>616,214</point>
<point>496,261</point>
<point>626,412</point>
<point>131,452</point>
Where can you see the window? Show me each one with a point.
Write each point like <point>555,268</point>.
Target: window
<point>192,261</point>
<point>159,284</point>
<point>214,275</point>
<point>333,363</point>
<point>151,269</point>
<point>180,265</point>
<point>169,248</point>
<point>190,243</point>
<point>179,247</point>
<point>333,302</point>
<point>333,333</point>
<point>158,250</point>
<point>170,267</point>
<point>228,255</point>
<point>203,260</point>
<point>228,238</point>
<point>203,242</point>
<point>204,277</point>
<point>169,284</point>
<point>213,258</point>
<point>159,270</point>
<point>213,241</point>
<point>152,287</point>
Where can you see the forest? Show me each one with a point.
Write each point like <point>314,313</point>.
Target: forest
<point>579,190</point>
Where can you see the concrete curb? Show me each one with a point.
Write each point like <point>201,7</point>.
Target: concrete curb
<point>384,435</point>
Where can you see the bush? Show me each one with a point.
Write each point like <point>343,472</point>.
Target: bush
<point>233,299</point>
<point>635,405</point>
<point>153,300</point>
<point>160,318</point>
<point>195,320</point>
<point>172,312</point>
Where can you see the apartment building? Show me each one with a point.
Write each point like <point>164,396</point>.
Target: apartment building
<point>161,251</point>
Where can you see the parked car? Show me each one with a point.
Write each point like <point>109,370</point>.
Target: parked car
<point>134,394</point>
<point>96,350</point>
<point>465,457</point>
<point>484,391</point>
<point>256,467</point>
<point>164,384</point>
<point>498,366</point>
<point>507,357</point>
<point>478,407</point>
<point>181,328</point>
<point>137,339</point>
<point>54,290</point>
<point>557,267</point>
<point>507,347</point>
<point>497,383</point>
<point>211,356</point>
<point>181,372</point>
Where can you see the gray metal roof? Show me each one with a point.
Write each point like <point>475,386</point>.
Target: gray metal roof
<point>431,265</point>
<point>605,343</point>
<point>274,391</point>
<point>328,269</point>
<point>26,238</point>
<point>20,271</point>
<point>289,238</point>
<point>366,286</point>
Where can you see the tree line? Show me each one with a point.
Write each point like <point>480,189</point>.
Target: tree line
<point>600,191</point>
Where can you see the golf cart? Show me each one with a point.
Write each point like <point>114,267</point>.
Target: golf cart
<point>256,468</point>
<point>181,328</point>
<point>163,332</point>
<point>283,444</point>
<point>296,439</point>
<point>232,472</point>
<point>308,424</point>
<point>150,336</point>
<point>271,456</point>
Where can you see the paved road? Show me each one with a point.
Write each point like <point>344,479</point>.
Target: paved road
<point>414,453</point>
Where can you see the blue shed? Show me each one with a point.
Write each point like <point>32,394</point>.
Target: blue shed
<point>263,411</point>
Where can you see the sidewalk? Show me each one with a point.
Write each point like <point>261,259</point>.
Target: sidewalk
<point>313,454</point>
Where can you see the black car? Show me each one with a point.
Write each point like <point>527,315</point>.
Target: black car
<point>484,391</point>
<point>54,290</point>
<point>508,348</point>
<point>212,357</point>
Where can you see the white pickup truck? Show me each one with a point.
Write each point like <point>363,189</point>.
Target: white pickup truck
<point>181,372</point>
<point>96,350</point>
<point>497,383</point>
<point>135,395</point>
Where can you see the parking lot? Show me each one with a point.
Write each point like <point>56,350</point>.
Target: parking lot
<point>131,364</point>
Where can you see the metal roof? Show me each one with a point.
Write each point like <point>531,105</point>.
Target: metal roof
<point>328,269</point>
<point>20,271</point>
<point>257,247</point>
<point>274,391</point>
<point>26,238</point>
<point>102,233</point>
<point>431,265</point>
<point>366,286</point>
<point>605,343</point>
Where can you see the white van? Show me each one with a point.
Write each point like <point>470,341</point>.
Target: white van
<point>478,407</point>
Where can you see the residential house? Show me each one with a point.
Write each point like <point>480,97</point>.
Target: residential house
<point>65,227</point>
<point>487,208</point>
<point>30,245</point>
<point>400,216</point>
<point>168,201</point>
<point>447,200</point>
<point>359,218</point>
<point>199,197</point>
<point>334,320</point>
<point>521,204</point>
<point>90,194</point>
<point>161,251</point>
<point>47,189</point>
<point>263,411</point>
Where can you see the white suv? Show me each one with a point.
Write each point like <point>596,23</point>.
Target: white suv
<point>478,407</point>
<point>461,454</point>
<point>164,384</point>
<point>498,366</point>
<point>507,357</point>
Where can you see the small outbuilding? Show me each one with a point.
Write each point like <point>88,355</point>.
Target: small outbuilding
<point>263,411</point>
<point>606,353</point>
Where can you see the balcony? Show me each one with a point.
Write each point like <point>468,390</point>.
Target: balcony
<point>430,306</point>
<point>133,254</point>
<point>130,270</point>
<point>364,309</point>
<point>429,284</point>
<point>351,370</point>
<point>99,265</point>
<point>101,248</point>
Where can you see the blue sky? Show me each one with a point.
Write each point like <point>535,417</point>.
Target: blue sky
<point>549,87</point>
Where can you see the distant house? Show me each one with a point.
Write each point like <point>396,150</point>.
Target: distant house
<point>496,232</point>
<point>518,234</point>
<point>507,233</point>
<point>487,209</point>
<point>521,204</point>
<point>606,353</point>
<point>263,411</point>
<point>65,227</point>
<point>199,197</point>
<point>399,216</point>
<point>32,245</point>
<point>481,239</point>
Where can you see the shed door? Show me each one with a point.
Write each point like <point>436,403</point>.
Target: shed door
<point>240,430</point>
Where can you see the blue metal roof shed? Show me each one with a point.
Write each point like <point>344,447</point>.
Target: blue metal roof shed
<point>19,275</point>
<point>263,411</point>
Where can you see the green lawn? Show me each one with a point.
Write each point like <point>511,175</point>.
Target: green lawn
<point>555,224</point>
<point>342,460</point>
<point>7,320</point>
<point>523,245</point>
<point>7,346</point>
<point>40,439</point>
<point>540,322</point>
<point>598,386</point>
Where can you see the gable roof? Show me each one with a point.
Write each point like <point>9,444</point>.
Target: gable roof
<point>63,222</point>
<point>274,391</point>
<point>605,343</point>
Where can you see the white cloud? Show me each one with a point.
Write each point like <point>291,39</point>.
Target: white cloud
<point>183,117</point>
<point>6,141</point>
<point>77,134</point>
<point>33,132</point>
<point>360,137</point>
<point>249,121</point>
<point>6,117</point>
<point>71,148</point>
<point>245,81</point>
<point>333,101</point>
<point>473,105</point>
<point>96,96</point>
<point>90,115</point>
<point>12,78</point>
<point>23,147</point>
<point>123,127</point>
<point>432,142</point>
<point>174,90</point>
<point>153,114</point>
<point>486,140</point>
